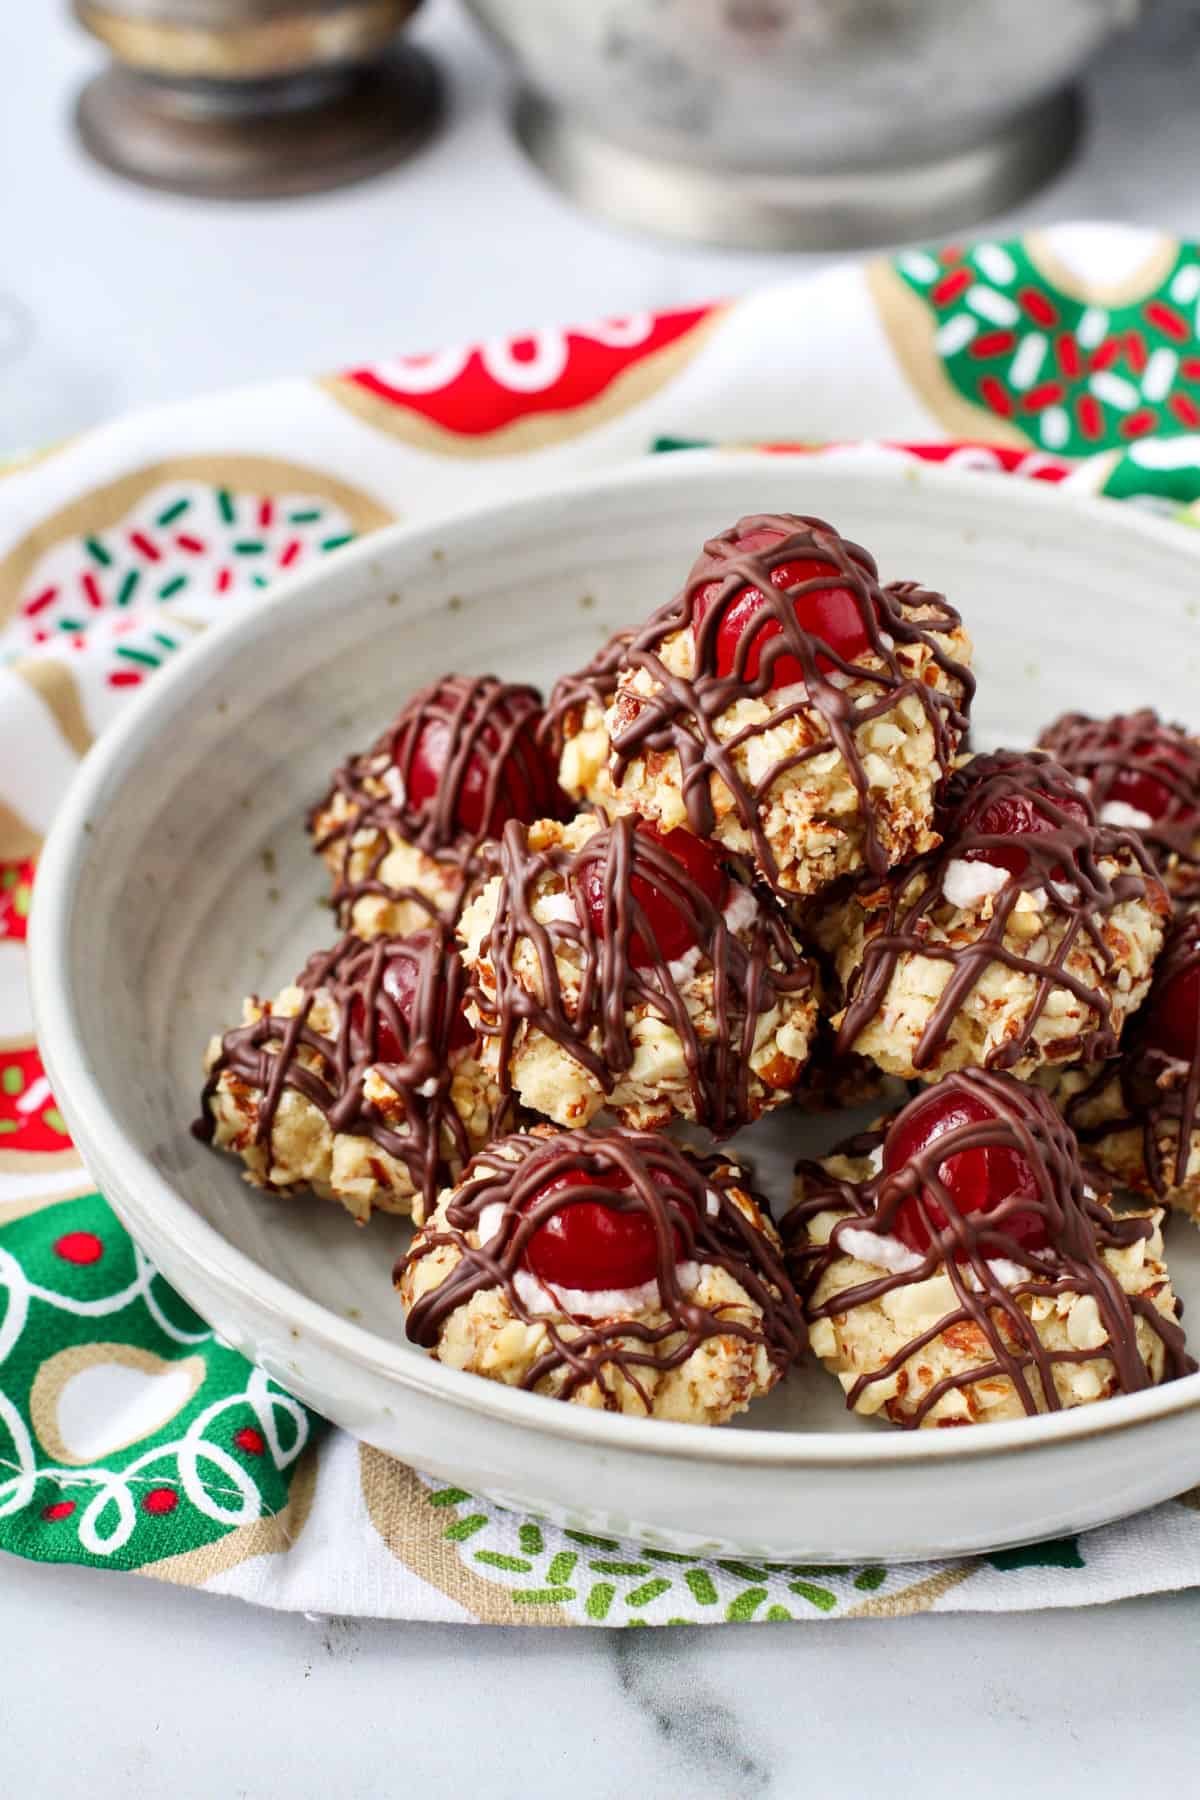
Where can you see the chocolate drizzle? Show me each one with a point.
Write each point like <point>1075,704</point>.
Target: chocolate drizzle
<point>1064,861</point>
<point>1077,1227</point>
<point>571,695</point>
<point>675,1189</point>
<point>1157,1089</point>
<point>1102,751</point>
<point>488,727</point>
<point>748,978</point>
<point>266,1055</point>
<point>681,715</point>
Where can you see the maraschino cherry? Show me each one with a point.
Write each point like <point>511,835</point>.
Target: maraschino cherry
<point>834,614</point>
<point>664,902</point>
<point>1017,816</point>
<point>591,1246</point>
<point>524,785</point>
<point>1141,788</point>
<point>399,983</point>
<point>1173,1019</point>
<point>977,1180</point>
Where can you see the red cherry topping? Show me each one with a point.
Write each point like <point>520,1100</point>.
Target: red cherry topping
<point>591,1246</point>
<point>524,788</point>
<point>1016,816</point>
<point>1173,1024</point>
<point>401,978</point>
<point>977,1180</point>
<point>833,614</point>
<point>662,901</point>
<point>1142,789</point>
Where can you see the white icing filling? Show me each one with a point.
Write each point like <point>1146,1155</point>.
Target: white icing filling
<point>881,1251</point>
<point>712,1203</point>
<point>393,781</point>
<point>965,883</point>
<point>878,1250</point>
<point>1119,812</point>
<point>555,909</point>
<point>740,913</point>
<point>741,909</point>
<point>597,1303</point>
<point>428,1088</point>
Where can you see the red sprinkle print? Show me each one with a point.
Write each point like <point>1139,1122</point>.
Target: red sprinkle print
<point>995,396</point>
<point>224,581</point>
<point>1189,368</point>
<point>950,253</point>
<point>1185,409</point>
<point>266,512</point>
<point>1106,354</point>
<point>1067,352</point>
<point>119,678</point>
<point>1039,306</point>
<point>1090,416</point>
<point>250,1440</point>
<point>992,343</point>
<point>1166,319</point>
<point>91,589</point>
<point>1136,353</point>
<point>143,545</point>
<point>950,287</point>
<point>80,1247</point>
<point>193,545</point>
<point>58,1509</point>
<point>1137,424</point>
<point>1049,393</point>
<point>289,553</point>
<point>40,602</point>
<point>160,1500</point>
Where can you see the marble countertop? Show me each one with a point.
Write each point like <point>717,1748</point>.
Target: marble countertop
<point>118,1687</point>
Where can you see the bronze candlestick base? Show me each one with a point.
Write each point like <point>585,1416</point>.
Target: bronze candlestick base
<point>255,99</point>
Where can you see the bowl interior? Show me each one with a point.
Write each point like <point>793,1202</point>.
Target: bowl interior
<point>194,883</point>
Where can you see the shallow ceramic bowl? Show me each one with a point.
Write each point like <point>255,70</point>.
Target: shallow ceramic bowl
<point>179,878</point>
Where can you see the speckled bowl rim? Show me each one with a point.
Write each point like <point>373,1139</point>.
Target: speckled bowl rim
<point>117,1163</point>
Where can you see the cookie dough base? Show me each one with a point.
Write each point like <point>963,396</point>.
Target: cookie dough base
<point>865,1337</point>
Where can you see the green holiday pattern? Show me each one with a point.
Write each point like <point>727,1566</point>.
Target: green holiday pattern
<point>128,1431</point>
<point>1071,374</point>
<point>602,1581</point>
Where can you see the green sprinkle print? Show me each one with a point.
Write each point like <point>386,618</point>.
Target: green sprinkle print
<point>465,1528</point>
<point>12,1080</point>
<point>532,1541</point>
<point>701,1584</point>
<point>649,1590</point>
<point>819,1597</point>
<point>746,1604</point>
<point>599,1600</point>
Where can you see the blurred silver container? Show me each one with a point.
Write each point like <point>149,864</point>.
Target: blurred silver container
<point>810,123</point>
<point>250,99</point>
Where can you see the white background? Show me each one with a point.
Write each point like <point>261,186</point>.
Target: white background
<point>114,1687</point>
